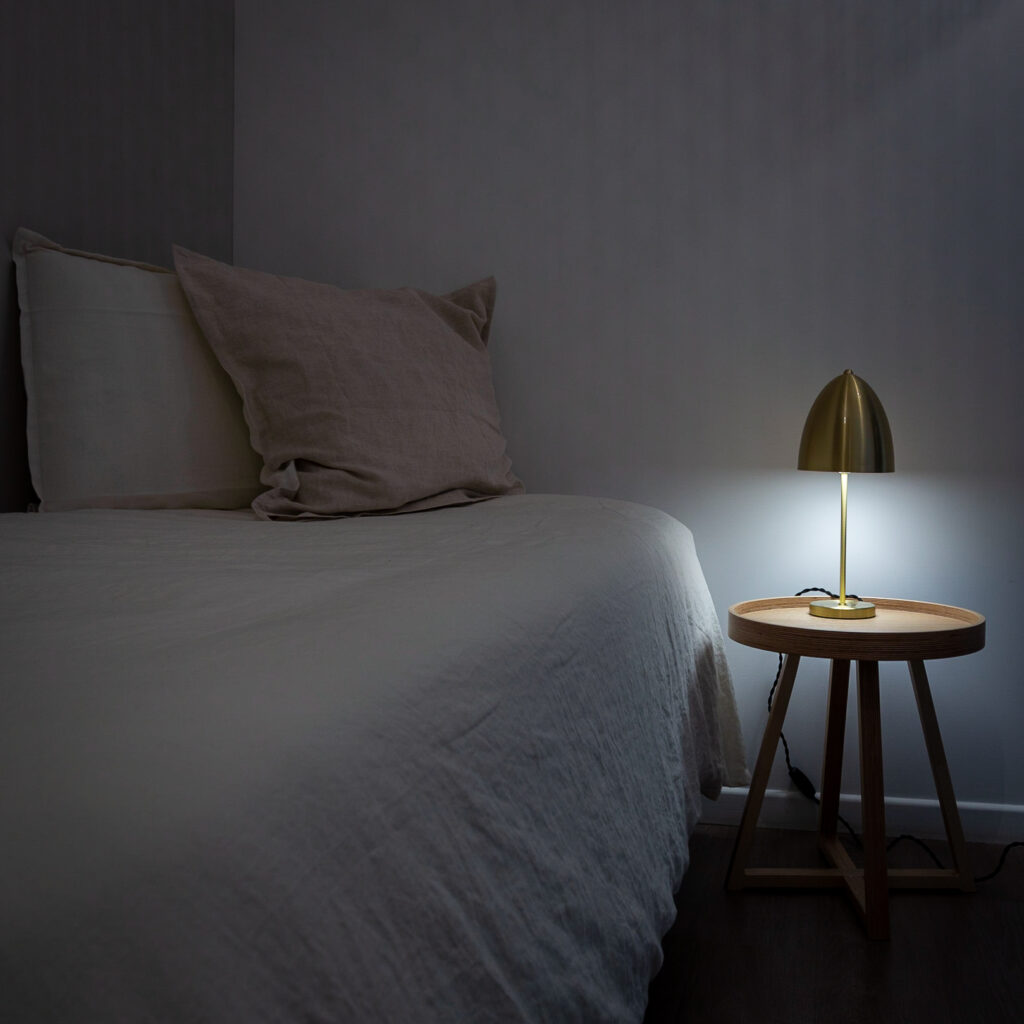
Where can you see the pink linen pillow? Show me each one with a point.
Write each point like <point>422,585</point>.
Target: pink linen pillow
<point>359,402</point>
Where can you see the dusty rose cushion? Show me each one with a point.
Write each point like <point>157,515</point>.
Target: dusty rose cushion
<point>359,402</point>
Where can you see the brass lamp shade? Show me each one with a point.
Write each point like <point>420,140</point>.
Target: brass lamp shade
<point>846,431</point>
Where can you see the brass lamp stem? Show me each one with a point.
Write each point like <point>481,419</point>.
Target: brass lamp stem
<point>841,608</point>
<point>842,543</point>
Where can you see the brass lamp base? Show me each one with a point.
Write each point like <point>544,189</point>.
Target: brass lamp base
<point>847,610</point>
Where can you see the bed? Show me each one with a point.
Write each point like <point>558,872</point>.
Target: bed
<point>432,766</point>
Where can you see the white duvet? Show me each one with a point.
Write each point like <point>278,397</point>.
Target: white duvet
<point>433,767</point>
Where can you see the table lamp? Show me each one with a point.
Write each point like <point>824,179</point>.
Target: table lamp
<point>846,432</point>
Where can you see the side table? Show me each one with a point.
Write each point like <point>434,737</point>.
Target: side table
<point>910,631</point>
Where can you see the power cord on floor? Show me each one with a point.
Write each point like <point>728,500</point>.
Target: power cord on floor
<point>807,788</point>
<point>1002,860</point>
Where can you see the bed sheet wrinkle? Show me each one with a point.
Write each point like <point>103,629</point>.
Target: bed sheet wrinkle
<point>436,767</point>
<point>468,727</point>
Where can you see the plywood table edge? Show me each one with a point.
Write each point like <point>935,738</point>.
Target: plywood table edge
<point>853,639</point>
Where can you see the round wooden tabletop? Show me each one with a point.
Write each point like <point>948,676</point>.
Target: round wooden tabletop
<point>899,631</point>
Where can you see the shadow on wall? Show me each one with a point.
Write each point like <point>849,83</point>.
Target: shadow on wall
<point>119,123</point>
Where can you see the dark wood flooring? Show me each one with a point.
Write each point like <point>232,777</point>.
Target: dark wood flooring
<point>801,957</point>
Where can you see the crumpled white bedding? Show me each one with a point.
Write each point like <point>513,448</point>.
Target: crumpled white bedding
<point>434,767</point>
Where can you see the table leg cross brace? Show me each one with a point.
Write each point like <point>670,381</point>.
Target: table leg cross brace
<point>869,886</point>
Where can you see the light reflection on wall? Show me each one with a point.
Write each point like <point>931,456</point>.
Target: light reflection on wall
<point>933,537</point>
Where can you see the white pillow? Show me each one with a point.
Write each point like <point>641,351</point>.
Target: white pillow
<point>127,405</point>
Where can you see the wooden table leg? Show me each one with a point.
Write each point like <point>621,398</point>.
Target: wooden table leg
<point>835,734</point>
<point>876,881</point>
<point>762,769</point>
<point>940,773</point>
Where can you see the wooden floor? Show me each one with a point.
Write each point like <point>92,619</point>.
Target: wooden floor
<point>801,957</point>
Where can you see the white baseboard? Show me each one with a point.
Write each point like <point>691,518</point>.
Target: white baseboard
<point>983,823</point>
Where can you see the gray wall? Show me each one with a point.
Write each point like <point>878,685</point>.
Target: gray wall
<point>117,120</point>
<point>698,213</point>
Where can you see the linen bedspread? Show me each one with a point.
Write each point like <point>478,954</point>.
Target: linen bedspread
<point>438,766</point>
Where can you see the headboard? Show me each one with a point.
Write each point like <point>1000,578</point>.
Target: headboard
<point>118,125</point>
